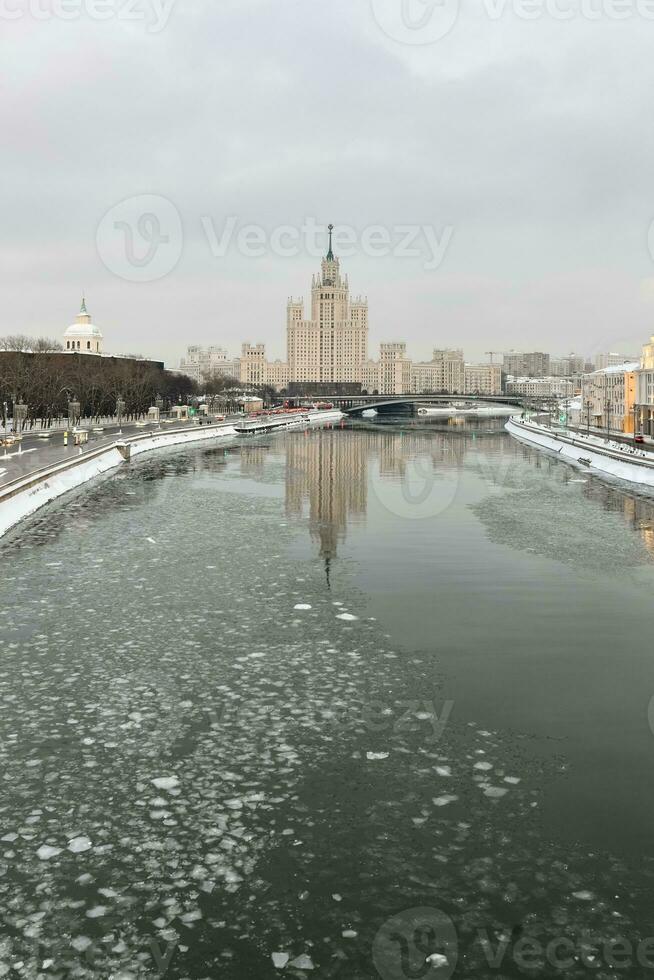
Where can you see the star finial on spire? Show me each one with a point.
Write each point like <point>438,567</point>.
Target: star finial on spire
<point>330,253</point>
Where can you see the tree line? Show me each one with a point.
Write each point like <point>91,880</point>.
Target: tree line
<point>38,374</point>
<point>46,380</point>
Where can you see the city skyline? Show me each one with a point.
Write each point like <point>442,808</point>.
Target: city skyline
<point>207,335</point>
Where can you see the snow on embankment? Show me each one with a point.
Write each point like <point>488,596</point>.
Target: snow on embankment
<point>588,453</point>
<point>25,495</point>
<point>159,440</point>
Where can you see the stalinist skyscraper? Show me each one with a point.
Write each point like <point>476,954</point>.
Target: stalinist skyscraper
<point>333,345</point>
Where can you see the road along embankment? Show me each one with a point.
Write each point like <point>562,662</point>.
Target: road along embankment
<point>24,496</point>
<point>588,453</point>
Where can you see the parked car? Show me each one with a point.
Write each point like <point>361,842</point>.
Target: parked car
<point>639,437</point>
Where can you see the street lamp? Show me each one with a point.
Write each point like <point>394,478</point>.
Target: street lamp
<point>607,409</point>
<point>20,414</point>
<point>73,412</point>
<point>120,409</point>
<point>589,405</point>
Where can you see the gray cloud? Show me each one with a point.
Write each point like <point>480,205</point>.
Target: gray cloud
<point>529,139</point>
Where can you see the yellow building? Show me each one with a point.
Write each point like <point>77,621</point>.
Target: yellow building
<point>608,397</point>
<point>647,359</point>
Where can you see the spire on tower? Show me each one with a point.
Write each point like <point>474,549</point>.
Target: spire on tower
<point>330,253</point>
<point>83,308</point>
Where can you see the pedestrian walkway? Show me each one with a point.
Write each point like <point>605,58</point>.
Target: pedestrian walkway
<point>37,453</point>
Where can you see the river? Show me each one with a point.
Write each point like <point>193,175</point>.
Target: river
<point>329,704</point>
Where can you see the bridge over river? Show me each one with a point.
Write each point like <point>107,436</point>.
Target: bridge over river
<point>408,404</point>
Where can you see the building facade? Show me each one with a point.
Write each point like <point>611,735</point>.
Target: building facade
<point>394,369</point>
<point>331,345</point>
<point>533,364</point>
<point>204,363</point>
<point>253,364</point>
<point>608,397</point>
<point>567,367</point>
<point>612,360</point>
<point>482,379</point>
<point>444,373</point>
<point>645,391</point>
<point>552,387</point>
<point>83,336</point>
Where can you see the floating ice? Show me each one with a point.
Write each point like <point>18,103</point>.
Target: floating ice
<point>443,770</point>
<point>303,962</point>
<point>280,960</point>
<point>193,916</point>
<point>79,844</point>
<point>495,792</point>
<point>45,852</point>
<point>374,756</point>
<point>349,934</point>
<point>436,960</point>
<point>166,782</point>
<point>348,617</point>
<point>484,766</point>
<point>583,896</point>
<point>444,800</point>
<point>97,912</point>
<point>302,605</point>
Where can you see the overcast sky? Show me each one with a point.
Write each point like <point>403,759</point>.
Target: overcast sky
<point>518,154</point>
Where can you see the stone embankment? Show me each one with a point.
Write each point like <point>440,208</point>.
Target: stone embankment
<point>21,497</point>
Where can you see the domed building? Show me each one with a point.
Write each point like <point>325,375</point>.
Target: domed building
<point>83,335</point>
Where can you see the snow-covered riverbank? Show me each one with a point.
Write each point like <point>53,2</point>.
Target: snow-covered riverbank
<point>610,460</point>
<point>27,494</point>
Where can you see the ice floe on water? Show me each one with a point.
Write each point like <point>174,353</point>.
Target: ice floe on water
<point>194,787</point>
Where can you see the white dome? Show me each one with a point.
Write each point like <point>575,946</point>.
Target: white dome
<point>83,330</point>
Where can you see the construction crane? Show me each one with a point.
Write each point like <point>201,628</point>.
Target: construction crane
<point>491,353</point>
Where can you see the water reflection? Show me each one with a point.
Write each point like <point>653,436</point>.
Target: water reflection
<point>329,475</point>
